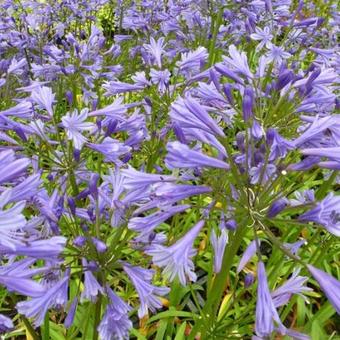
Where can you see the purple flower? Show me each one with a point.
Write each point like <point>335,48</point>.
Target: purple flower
<point>116,110</point>
<point>278,145</point>
<point>156,49</point>
<point>148,294</point>
<point>22,110</point>
<point>176,259</point>
<point>6,324</point>
<point>277,54</point>
<point>44,97</point>
<point>37,307</point>
<point>276,207</point>
<point>262,172</point>
<point>22,286</point>
<point>75,124</point>
<point>326,213</point>
<point>112,149</point>
<point>219,243</point>
<point>329,285</point>
<point>266,312</point>
<point>115,87</point>
<point>91,285</point>
<point>238,61</point>
<point>295,285</point>
<point>248,103</point>
<point>165,194</point>
<point>193,60</point>
<point>134,179</point>
<point>332,152</point>
<point>247,255</point>
<point>160,78</point>
<point>145,225</point>
<point>71,313</point>
<point>48,248</point>
<point>11,222</point>
<point>11,168</point>
<point>181,156</point>
<point>115,323</point>
<point>262,35</point>
<point>189,113</point>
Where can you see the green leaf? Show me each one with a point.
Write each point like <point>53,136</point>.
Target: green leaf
<point>180,333</point>
<point>139,336</point>
<point>171,313</point>
<point>161,330</point>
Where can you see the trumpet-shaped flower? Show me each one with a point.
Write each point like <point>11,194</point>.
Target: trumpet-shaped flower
<point>38,306</point>
<point>181,156</point>
<point>148,294</point>
<point>329,285</point>
<point>75,124</point>
<point>115,323</point>
<point>177,258</point>
<point>326,213</point>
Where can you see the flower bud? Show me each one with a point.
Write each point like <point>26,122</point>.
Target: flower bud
<point>248,280</point>
<point>79,241</point>
<point>277,207</point>
<point>231,225</point>
<point>248,104</point>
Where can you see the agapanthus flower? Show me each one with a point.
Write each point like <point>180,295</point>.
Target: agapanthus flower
<point>238,61</point>
<point>48,248</point>
<point>91,286</point>
<point>279,146</point>
<point>75,124</point>
<point>145,225</point>
<point>165,194</point>
<point>329,285</point>
<point>12,222</point>
<point>6,324</point>
<point>181,156</point>
<point>117,110</point>
<point>188,113</point>
<point>262,173</point>
<point>247,255</point>
<point>219,243</point>
<point>22,110</point>
<point>332,152</point>
<point>326,214</point>
<point>148,293</point>
<point>115,324</point>
<point>177,258</point>
<point>44,97</point>
<point>160,78</point>
<point>22,285</point>
<point>156,48</point>
<point>294,285</point>
<point>10,167</point>
<point>117,87</point>
<point>71,313</point>
<point>38,306</point>
<point>193,60</point>
<point>266,312</point>
<point>134,179</point>
<point>112,149</point>
<point>277,54</point>
<point>264,36</point>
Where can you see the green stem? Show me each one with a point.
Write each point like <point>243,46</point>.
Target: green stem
<point>30,329</point>
<point>218,287</point>
<point>46,329</point>
<point>97,317</point>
